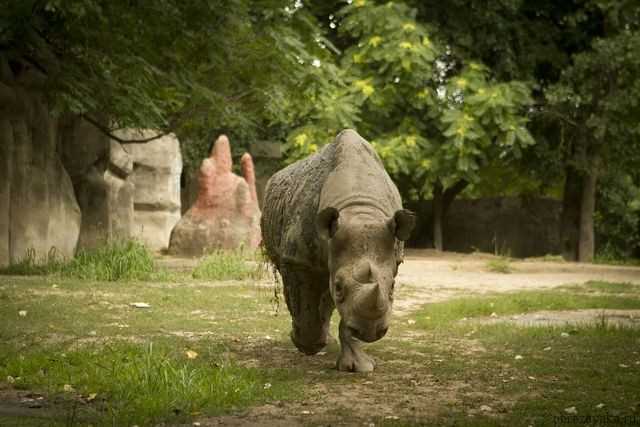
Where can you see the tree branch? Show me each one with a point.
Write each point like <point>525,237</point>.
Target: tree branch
<point>450,193</point>
<point>106,131</point>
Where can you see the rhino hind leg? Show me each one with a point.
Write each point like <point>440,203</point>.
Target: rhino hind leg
<point>352,358</point>
<point>310,305</point>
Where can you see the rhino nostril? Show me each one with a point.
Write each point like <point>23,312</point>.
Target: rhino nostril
<point>382,332</point>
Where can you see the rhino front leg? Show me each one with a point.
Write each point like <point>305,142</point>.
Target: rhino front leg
<point>311,306</point>
<point>352,358</point>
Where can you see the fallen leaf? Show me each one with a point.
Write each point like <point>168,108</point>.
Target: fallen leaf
<point>571,410</point>
<point>140,305</point>
<point>191,354</point>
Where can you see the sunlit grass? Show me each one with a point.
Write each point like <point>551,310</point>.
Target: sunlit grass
<point>230,265</point>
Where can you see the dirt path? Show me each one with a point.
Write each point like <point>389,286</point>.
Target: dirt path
<point>427,277</point>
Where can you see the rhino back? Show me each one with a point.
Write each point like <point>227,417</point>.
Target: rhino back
<point>290,207</point>
<point>359,178</point>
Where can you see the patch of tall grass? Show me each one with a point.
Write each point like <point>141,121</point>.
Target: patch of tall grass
<point>118,260</point>
<point>144,384</point>
<point>500,265</point>
<point>230,265</point>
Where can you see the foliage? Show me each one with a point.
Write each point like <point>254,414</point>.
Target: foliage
<point>228,265</point>
<point>618,217</point>
<point>431,116</point>
<point>183,66</point>
<point>119,260</point>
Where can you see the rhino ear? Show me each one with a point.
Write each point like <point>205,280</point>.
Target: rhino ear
<point>402,223</point>
<point>327,223</point>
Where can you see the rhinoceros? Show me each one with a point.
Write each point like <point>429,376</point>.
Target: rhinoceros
<point>334,227</point>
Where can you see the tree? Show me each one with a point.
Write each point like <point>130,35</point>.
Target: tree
<point>182,66</point>
<point>435,118</point>
<point>567,50</point>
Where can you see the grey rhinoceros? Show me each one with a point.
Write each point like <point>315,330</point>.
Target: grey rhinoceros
<point>334,227</point>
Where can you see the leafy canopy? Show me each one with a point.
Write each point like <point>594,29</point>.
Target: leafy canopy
<point>432,116</point>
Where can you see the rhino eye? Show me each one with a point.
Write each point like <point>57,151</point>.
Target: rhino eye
<point>339,292</point>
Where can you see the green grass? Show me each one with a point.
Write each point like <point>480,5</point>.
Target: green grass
<point>120,260</point>
<point>230,265</point>
<point>85,334</point>
<point>604,288</point>
<point>130,260</point>
<point>453,311</point>
<point>142,383</point>
<point>529,375</point>
<point>547,258</point>
<point>499,265</point>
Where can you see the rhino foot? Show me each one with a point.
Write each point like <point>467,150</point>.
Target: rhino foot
<point>308,347</point>
<point>355,361</point>
<point>352,358</point>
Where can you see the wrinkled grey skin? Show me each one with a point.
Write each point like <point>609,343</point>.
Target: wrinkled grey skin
<point>334,227</point>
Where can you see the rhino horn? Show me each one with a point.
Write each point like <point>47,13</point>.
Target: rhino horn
<point>374,301</point>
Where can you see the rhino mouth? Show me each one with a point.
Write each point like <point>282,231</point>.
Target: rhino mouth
<point>368,336</point>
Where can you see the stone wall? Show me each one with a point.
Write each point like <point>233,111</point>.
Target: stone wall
<point>520,227</point>
<point>38,208</point>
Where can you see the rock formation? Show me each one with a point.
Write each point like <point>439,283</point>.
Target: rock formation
<point>157,166</point>
<point>100,170</point>
<point>225,214</point>
<point>38,209</point>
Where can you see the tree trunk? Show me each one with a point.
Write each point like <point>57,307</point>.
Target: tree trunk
<point>441,203</point>
<point>586,240</point>
<point>438,214</point>
<point>570,219</point>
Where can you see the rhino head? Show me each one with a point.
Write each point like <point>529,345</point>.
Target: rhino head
<point>363,263</point>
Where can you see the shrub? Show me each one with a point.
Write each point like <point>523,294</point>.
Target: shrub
<point>499,265</point>
<point>229,265</point>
